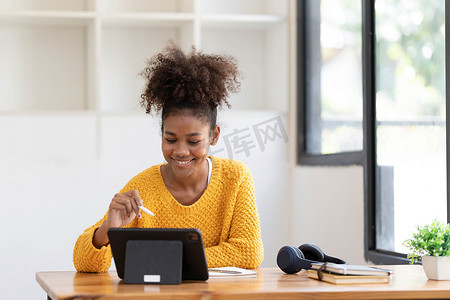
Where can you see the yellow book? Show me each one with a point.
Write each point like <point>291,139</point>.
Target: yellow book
<point>349,279</point>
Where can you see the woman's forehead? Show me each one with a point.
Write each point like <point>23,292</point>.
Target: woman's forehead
<point>185,124</point>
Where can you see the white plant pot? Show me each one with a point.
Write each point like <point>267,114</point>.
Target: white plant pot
<point>436,267</point>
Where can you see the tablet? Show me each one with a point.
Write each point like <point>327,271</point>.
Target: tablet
<point>194,265</point>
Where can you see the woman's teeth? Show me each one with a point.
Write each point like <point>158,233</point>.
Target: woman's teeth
<point>182,162</point>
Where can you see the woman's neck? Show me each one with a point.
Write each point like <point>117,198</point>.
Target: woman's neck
<point>195,183</point>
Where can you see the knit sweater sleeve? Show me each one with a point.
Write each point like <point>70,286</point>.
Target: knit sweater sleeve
<point>244,247</point>
<point>86,257</point>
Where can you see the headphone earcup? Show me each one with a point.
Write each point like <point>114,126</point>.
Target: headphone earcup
<point>312,252</point>
<point>289,259</point>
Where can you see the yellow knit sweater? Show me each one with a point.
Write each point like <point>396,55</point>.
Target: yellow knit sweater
<point>226,214</point>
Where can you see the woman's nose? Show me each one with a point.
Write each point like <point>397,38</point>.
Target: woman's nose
<point>181,150</point>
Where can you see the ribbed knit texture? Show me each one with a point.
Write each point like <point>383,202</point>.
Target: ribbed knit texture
<point>226,214</point>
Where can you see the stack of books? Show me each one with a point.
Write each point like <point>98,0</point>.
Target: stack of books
<point>348,274</point>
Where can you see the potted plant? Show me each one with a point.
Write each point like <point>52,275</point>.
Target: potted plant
<point>431,244</point>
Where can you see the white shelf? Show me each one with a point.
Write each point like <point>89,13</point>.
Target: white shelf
<point>50,113</point>
<point>44,5</point>
<point>149,6</point>
<point>245,7</point>
<point>168,20</point>
<point>241,21</point>
<point>55,18</point>
<point>85,55</point>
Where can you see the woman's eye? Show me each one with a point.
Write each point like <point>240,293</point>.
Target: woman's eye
<point>170,141</point>
<point>193,142</point>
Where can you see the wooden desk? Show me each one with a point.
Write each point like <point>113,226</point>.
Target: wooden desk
<point>408,282</point>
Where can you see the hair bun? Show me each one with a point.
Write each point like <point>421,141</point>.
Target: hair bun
<point>174,78</point>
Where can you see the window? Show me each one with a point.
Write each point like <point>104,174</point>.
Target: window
<point>332,75</point>
<point>399,124</point>
<point>410,129</point>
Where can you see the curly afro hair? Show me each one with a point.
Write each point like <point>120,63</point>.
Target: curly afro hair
<point>196,82</point>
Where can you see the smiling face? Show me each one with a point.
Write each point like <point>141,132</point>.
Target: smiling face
<point>185,143</point>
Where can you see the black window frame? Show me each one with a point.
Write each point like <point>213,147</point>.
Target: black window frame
<point>366,157</point>
<point>305,158</point>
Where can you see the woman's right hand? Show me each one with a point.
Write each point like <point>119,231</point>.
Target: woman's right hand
<point>122,210</point>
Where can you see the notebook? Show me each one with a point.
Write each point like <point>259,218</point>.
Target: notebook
<point>344,269</point>
<point>230,272</point>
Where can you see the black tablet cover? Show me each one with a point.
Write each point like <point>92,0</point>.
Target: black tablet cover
<point>194,265</point>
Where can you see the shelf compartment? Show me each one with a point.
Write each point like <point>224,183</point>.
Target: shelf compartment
<point>262,56</point>
<point>121,86</point>
<point>43,68</point>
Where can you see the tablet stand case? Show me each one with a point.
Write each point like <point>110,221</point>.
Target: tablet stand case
<point>154,262</point>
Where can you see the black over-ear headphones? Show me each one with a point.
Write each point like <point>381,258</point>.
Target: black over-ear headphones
<point>292,259</point>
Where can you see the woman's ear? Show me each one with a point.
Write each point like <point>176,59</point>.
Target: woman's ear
<point>215,136</point>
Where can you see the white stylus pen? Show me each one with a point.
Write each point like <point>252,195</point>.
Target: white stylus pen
<point>145,210</point>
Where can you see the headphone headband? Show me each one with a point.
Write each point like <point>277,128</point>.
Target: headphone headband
<point>334,260</point>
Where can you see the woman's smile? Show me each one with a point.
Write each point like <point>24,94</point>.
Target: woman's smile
<point>183,163</point>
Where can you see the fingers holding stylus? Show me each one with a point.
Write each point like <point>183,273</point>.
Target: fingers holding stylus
<point>134,195</point>
<point>127,204</point>
<point>123,205</point>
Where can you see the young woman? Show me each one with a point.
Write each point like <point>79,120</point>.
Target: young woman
<point>191,190</point>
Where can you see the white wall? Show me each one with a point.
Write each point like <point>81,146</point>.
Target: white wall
<point>58,174</point>
<point>328,210</point>
<point>54,184</point>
